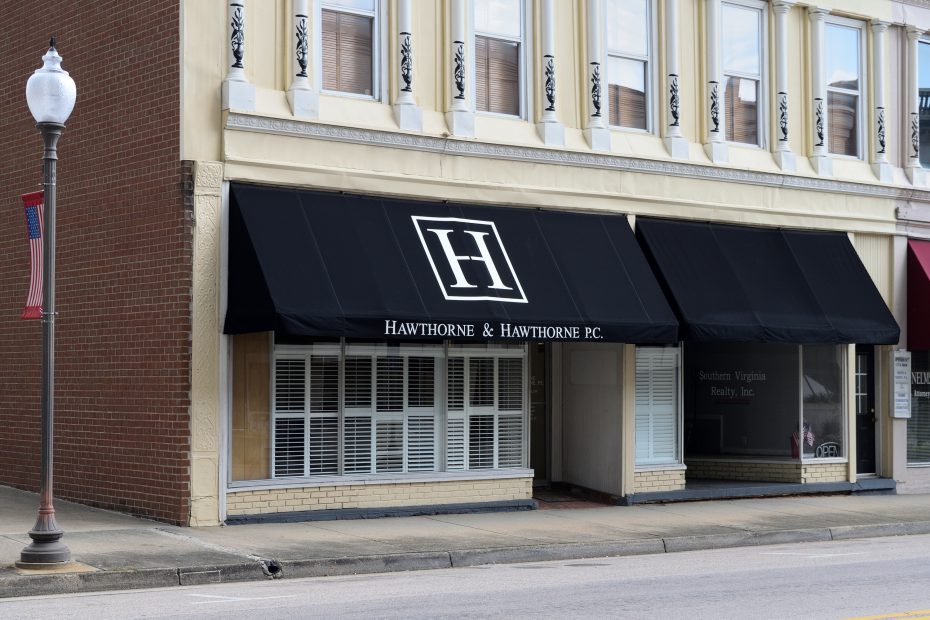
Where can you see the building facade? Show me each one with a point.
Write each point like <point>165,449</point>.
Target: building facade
<point>365,255</point>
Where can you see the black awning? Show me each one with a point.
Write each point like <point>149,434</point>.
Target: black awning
<point>746,284</point>
<point>323,264</point>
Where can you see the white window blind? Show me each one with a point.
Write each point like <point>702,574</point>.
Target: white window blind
<point>742,43</point>
<point>656,405</point>
<point>498,56</point>
<point>347,46</point>
<point>629,57</point>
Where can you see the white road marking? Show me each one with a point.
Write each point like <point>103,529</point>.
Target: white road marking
<point>812,555</point>
<point>235,599</point>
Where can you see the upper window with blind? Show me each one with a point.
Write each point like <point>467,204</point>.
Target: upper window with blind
<point>843,64</point>
<point>499,44</point>
<point>349,46</point>
<point>629,62</point>
<point>742,46</point>
<point>923,102</point>
<point>657,377</point>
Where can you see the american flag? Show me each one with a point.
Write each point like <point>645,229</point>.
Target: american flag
<point>808,434</point>
<point>34,206</point>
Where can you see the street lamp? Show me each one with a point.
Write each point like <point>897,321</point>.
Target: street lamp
<point>50,93</point>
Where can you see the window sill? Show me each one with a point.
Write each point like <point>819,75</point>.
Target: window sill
<point>828,461</point>
<point>667,467</point>
<point>918,465</point>
<point>373,479</point>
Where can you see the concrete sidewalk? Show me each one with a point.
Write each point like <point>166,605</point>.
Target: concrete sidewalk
<point>119,552</point>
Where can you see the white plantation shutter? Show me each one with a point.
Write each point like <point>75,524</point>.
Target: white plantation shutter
<point>323,446</point>
<point>481,441</point>
<point>288,447</point>
<point>421,443</point>
<point>358,382</point>
<point>455,442</point>
<point>510,441</point>
<point>481,382</point>
<point>656,405</point>
<point>289,388</point>
<point>390,383</point>
<point>455,387</point>
<point>510,384</point>
<point>389,445</point>
<point>357,444</point>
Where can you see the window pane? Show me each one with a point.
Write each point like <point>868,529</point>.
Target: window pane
<point>841,56</point>
<point>742,110</point>
<point>497,76</point>
<point>843,123</point>
<point>500,17</point>
<point>627,84</point>
<point>347,53</point>
<point>742,33</point>
<point>628,27</point>
<point>918,427</point>
<point>361,5</point>
<point>923,82</point>
<point>656,436</point>
<point>821,434</point>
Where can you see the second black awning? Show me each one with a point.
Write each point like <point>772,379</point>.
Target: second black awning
<point>324,264</point>
<point>746,284</point>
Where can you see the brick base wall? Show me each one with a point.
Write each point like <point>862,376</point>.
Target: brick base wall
<point>333,497</point>
<point>917,480</point>
<point>824,472</point>
<point>658,480</point>
<point>788,471</point>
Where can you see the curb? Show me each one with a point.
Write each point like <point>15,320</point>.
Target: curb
<point>15,585</point>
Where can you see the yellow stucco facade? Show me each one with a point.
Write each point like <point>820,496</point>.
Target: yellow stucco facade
<point>355,145</point>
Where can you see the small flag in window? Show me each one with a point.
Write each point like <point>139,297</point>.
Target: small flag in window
<point>34,206</point>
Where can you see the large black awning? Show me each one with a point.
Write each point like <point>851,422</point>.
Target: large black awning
<point>324,264</point>
<point>745,284</point>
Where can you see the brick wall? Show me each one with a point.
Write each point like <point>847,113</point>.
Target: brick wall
<point>124,259</point>
<point>331,497</point>
<point>656,480</point>
<point>787,471</point>
<point>824,472</point>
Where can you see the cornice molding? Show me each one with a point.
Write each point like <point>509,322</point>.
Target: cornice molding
<point>453,146</point>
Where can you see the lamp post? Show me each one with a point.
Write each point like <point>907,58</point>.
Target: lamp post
<point>50,93</point>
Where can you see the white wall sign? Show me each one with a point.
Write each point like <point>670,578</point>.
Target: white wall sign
<point>901,368</point>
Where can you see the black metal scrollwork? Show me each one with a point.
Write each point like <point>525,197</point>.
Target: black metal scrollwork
<point>459,72</point>
<point>550,82</point>
<point>302,49</point>
<point>237,38</point>
<point>596,87</point>
<point>406,62</point>
<point>915,136</point>
<point>783,116</point>
<point>673,100</point>
<point>880,129</point>
<point>714,106</point>
<point>818,120</point>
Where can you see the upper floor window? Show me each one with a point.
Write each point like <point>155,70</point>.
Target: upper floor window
<point>742,50</point>
<point>349,42</point>
<point>499,41</point>
<point>923,106</point>
<point>629,58</point>
<point>843,66</point>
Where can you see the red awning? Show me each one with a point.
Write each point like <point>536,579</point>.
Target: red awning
<point>918,294</point>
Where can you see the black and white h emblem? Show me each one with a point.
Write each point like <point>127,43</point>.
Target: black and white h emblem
<point>469,259</point>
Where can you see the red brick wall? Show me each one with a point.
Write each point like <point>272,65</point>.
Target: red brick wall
<point>122,405</point>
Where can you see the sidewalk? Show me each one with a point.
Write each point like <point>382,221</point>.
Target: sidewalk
<point>120,552</point>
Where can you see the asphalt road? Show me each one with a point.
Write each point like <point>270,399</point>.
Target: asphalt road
<point>857,578</point>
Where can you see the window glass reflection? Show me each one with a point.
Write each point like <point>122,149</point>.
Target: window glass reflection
<point>498,17</point>
<point>923,108</point>
<point>361,5</point>
<point>841,56</point>
<point>628,27</point>
<point>627,84</point>
<point>742,32</point>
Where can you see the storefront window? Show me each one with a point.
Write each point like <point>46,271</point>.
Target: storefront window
<point>377,408</point>
<point>821,432</point>
<point>918,427</point>
<point>740,399</point>
<point>923,85</point>
<point>657,405</point>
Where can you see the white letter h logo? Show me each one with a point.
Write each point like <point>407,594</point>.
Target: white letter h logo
<point>440,242</point>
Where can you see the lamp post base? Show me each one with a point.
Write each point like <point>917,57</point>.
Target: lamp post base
<point>46,549</point>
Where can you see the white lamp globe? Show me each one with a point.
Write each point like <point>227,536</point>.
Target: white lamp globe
<point>50,91</point>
